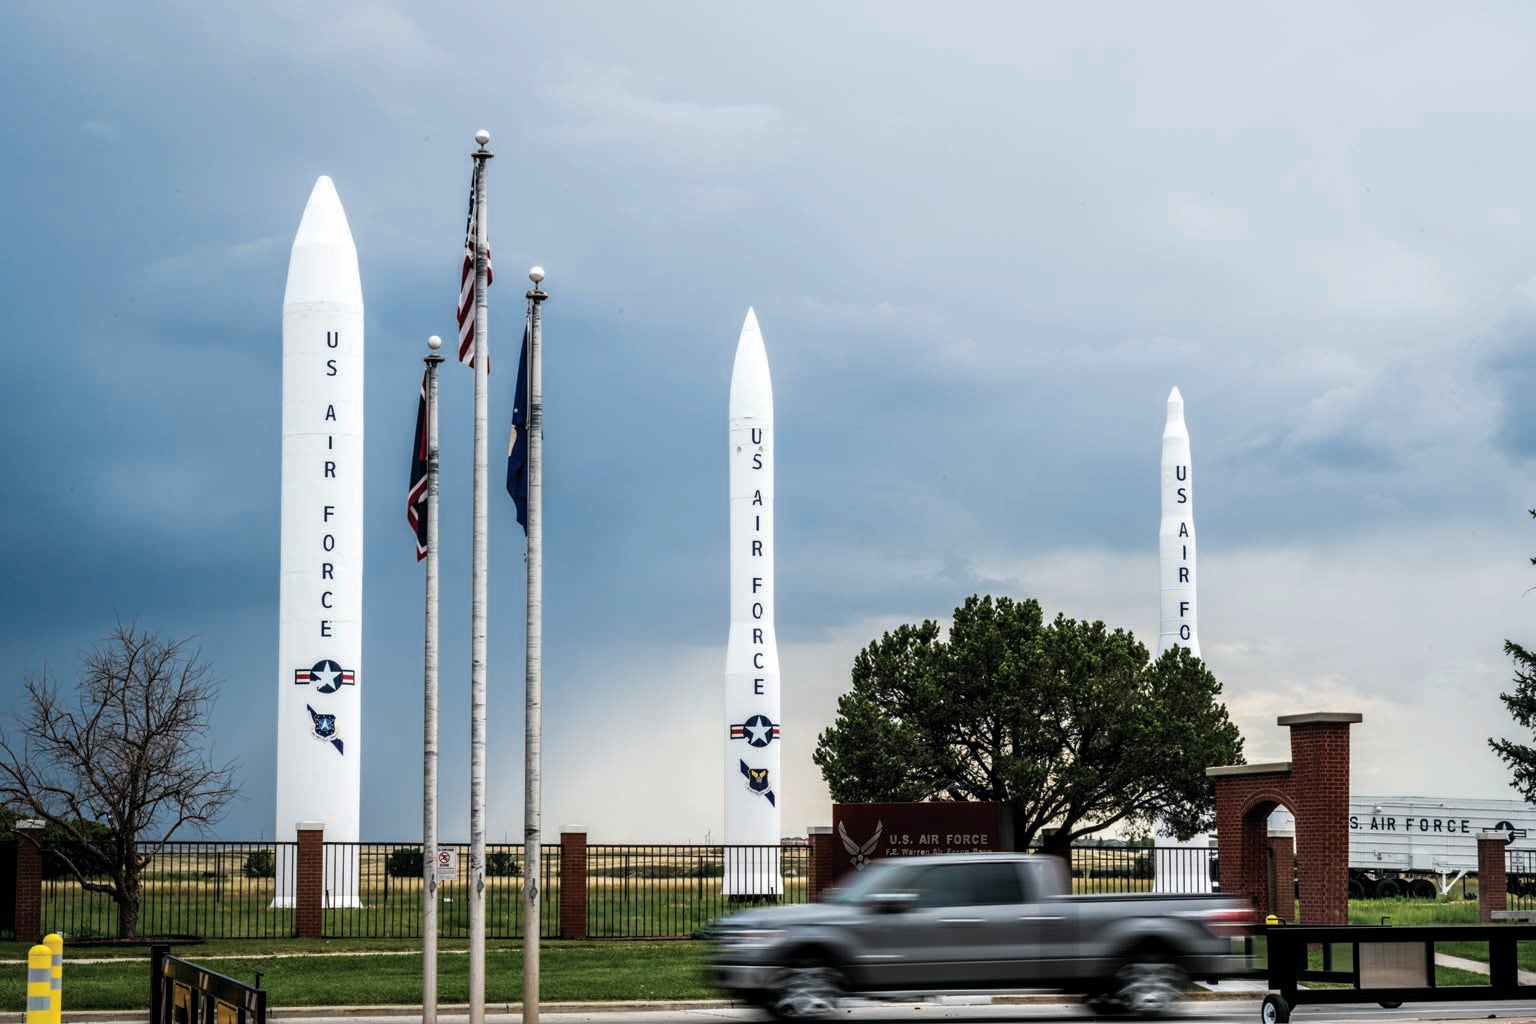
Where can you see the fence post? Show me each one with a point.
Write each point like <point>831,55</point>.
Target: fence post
<point>821,861</point>
<point>573,882</point>
<point>29,880</point>
<point>309,880</point>
<point>157,954</point>
<point>1492,882</point>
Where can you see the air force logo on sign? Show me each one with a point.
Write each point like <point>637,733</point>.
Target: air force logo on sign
<point>327,675</point>
<point>758,731</point>
<point>325,728</point>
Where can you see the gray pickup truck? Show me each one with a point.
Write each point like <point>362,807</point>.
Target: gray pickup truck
<point>957,923</point>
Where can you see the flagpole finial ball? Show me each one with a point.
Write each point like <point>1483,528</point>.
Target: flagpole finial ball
<point>536,274</point>
<point>434,343</point>
<point>482,137</point>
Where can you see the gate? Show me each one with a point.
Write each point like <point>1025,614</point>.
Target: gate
<point>181,992</point>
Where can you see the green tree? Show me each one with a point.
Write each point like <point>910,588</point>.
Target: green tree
<point>1520,757</point>
<point>123,756</point>
<point>1069,724</point>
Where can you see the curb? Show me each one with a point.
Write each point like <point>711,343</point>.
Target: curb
<point>630,1006</point>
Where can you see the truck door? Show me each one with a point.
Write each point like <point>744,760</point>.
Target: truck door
<point>964,930</point>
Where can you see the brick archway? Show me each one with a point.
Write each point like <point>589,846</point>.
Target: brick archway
<point>1314,786</point>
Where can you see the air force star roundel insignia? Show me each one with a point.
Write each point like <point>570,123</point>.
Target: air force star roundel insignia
<point>327,676</point>
<point>757,781</point>
<point>325,728</point>
<point>758,731</point>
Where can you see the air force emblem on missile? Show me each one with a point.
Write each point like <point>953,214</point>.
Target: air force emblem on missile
<point>757,782</point>
<point>325,727</point>
<point>327,676</point>
<point>758,731</point>
<point>859,853</point>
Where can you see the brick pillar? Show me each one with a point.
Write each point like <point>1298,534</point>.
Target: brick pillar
<point>29,881</point>
<point>573,882</point>
<point>1492,883</point>
<point>1320,770</point>
<point>1280,886</point>
<point>823,849</point>
<point>309,883</point>
<point>1245,795</point>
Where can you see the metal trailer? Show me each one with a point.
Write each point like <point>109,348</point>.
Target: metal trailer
<point>1384,965</point>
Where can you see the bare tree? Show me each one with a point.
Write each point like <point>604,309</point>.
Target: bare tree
<point>127,751</point>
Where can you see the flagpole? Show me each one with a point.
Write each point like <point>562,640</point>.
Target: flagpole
<point>479,559</point>
<point>533,690</point>
<point>429,712</point>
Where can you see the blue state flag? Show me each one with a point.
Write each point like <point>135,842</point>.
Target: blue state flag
<point>517,445</point>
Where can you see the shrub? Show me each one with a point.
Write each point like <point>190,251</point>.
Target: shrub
<point>502,864</point>
<point>404,862</point>
<point>260,864</point>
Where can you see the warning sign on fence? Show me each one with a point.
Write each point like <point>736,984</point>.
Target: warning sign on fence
<point>447,863</point>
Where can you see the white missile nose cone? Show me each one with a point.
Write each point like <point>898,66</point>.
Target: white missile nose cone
<point>751,384</point>
<point>322,266</point>
<point>324,221</point>
<point>1175,406</point>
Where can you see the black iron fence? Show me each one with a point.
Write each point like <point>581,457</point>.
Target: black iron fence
<point>228,890</point>
<point>384,882</point>
<point>189,889</point>
<point>673,891</point>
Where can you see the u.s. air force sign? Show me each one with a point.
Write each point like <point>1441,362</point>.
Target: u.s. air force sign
<point>867,832</point>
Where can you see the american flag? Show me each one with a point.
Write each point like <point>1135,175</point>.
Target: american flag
<point>467,285</point>
<point>416,497</point>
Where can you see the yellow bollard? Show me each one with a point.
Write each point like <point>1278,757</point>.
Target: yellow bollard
<point>39,985</point>
<point>55,943</point>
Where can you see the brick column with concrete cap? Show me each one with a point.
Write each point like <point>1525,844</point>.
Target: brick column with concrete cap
<point>309,880</point>
<point>822,862</point>
<point>29,880</point>
<point>1492,881</point>
<point>1245,795</point>
<point>573,882</point>
<point>1320,777</point>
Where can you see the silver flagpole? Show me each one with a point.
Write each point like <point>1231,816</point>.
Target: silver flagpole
<point>477,670</point>
<point>429,713</point>
<point>533,691</point>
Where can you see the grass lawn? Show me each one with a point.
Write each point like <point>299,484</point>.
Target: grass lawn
<point>569,971</point>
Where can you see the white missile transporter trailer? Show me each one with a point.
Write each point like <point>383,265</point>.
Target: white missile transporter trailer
<point>1401,846</point>
<point>1421,846</point>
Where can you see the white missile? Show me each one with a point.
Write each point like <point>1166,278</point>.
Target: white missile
<point>320,640</point>
<point>753,792</point>
<point>1176,536</point>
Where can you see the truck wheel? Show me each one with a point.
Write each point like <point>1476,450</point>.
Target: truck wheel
<point>1275,1011</point>
<point>1148,985</point>
<point>1424,889</point>
<point>805,991</point>
<point>1388,889</point>
<point>1356,890</point>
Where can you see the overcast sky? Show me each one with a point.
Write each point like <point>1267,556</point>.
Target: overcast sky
<point>983,241</point>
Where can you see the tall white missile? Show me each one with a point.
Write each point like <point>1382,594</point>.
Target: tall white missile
<point>753,792</point>
<point>1176,536</point>
<point>320,639</point>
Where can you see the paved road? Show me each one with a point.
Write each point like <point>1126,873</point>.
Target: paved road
<point>1230,1009</point>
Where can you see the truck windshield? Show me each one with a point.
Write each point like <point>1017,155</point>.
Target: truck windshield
<point>881,876</point>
